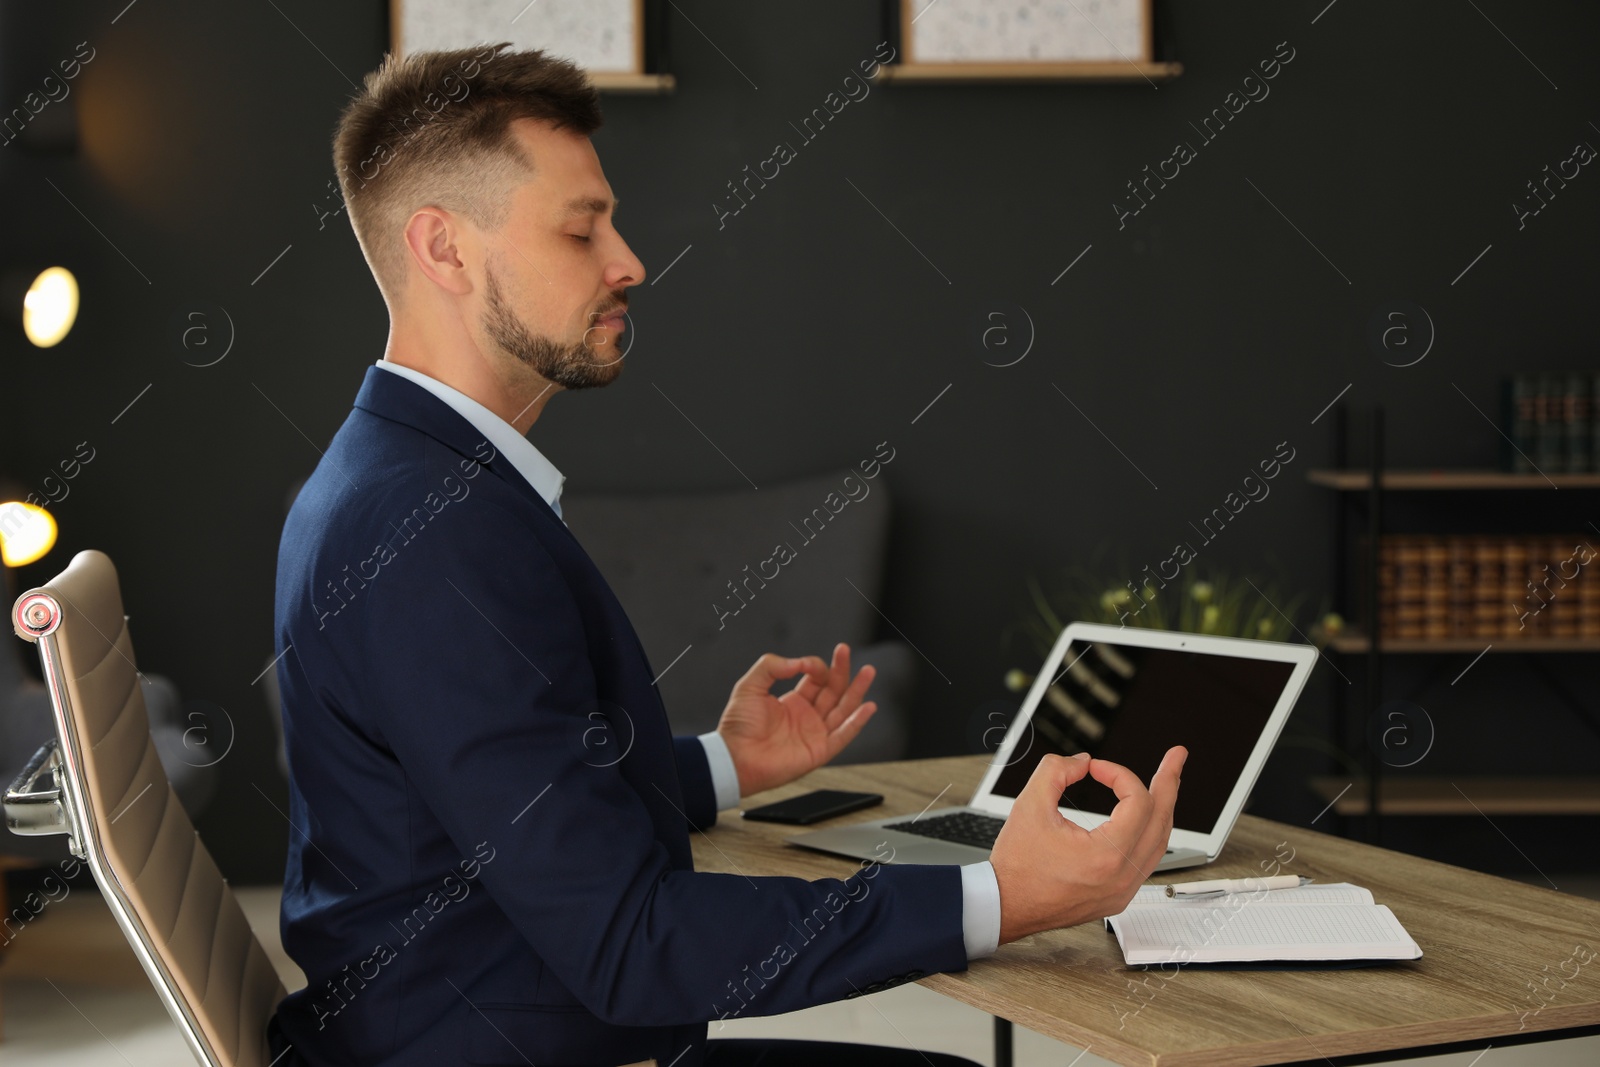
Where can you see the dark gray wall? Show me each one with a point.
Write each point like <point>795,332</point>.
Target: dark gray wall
<point>811,327</point>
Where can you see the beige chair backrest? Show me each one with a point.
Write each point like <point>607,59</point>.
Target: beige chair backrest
<point>112,797</point>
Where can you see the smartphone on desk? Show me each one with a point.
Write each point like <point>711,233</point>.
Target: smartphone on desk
<point>813,807</point>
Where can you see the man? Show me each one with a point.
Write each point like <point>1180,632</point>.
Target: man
<point>490,861</point>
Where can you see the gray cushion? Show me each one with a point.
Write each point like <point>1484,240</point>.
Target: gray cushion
<point>670,560</point>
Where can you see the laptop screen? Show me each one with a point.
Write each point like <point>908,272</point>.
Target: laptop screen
<point>1129,704</point>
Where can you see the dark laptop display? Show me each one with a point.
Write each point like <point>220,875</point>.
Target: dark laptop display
<point>1215,705</point>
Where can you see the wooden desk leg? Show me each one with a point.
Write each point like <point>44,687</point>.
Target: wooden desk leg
<point>1002,1042</point>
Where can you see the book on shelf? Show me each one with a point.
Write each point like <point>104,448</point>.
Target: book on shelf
<point>1315,922</point>
<point>1552,422</point>
<point>1435,587</point>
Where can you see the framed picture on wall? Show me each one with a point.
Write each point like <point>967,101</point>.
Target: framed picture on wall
<point>1026,31</point>
<point>602,36</point>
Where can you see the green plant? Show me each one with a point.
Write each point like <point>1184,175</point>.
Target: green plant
<point>1216,603</point>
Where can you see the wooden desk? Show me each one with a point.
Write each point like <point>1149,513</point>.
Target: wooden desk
<point>1487,944</point>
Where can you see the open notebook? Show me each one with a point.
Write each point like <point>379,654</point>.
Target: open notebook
<point>1337,921</point>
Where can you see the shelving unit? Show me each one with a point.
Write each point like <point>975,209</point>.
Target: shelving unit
<point>1012,73</point>
<point>623,82</point>
<point>1349,481</point>
<point>1355,642</point>
<point>1468,795</point>
<point>1360,494</point>
<point>1413,480</point>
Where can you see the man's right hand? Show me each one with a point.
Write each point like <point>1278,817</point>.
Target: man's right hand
<point>1052,872</point>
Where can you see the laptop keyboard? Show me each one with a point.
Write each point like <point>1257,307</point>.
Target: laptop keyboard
<point>961,827</point>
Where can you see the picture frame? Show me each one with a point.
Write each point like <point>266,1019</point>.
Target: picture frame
<point>951,33</point>
<point>605,37</point>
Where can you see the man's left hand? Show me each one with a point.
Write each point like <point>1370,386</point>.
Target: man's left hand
<point>774,740</point>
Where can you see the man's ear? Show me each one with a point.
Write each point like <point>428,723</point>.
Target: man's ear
<point>434,240</point>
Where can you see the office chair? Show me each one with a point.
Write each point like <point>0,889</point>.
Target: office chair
<point>110,796</point>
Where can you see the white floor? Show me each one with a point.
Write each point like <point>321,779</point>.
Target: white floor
<point>71,995</point>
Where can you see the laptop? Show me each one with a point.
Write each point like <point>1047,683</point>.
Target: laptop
<point>1125,695</point>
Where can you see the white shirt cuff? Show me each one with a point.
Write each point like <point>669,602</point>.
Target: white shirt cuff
<point>980,912</point>
<point>725,781</point>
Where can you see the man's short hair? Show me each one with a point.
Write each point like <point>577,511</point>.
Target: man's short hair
<point>434,128</point>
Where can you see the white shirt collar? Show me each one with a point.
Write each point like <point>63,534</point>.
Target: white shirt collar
<point>528,460</point>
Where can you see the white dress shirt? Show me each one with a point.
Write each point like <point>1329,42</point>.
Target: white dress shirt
<point>980,891</point>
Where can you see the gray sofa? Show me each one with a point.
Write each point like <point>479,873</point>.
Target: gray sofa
<point>670,560</point>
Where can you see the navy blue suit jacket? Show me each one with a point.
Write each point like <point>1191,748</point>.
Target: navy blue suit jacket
<point>489,861</point>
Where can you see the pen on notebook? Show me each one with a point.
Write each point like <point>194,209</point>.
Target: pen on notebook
<point>1235,885</point>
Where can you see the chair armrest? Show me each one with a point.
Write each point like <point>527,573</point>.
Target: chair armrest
<point>34,812</point>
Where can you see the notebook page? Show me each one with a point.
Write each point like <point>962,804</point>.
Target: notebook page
<point>1315,893</point>
<point>1305,932</point>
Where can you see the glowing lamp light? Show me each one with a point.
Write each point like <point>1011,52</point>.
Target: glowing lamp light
<point>27,532</point>
<point>50,306</point>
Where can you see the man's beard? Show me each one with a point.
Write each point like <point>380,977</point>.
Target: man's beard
<point>569,366</point>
